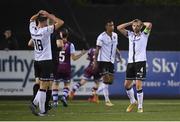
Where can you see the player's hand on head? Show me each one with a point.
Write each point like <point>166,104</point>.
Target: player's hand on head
<point>52,15</point>
<point>40,12</point>
<point>134,20</point>
<point>44,13</point>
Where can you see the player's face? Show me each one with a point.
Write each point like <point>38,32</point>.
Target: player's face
<point>7,33</point>
<point>137,26</point>
<point>110,27</point>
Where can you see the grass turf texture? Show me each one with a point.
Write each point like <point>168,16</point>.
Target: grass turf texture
<point>81,110</point>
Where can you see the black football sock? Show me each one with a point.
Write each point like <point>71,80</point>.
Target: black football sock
<point>48,98</point>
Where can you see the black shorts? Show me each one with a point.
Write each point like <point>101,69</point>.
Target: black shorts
<point>105,67</point>
<point>62,77</point>
<point>63,72</point>
<point>44,70</point>
<point>136,71</point>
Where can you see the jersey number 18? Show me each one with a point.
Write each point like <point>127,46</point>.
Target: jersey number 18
<point>38,44</point>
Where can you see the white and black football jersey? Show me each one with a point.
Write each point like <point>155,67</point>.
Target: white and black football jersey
<point>42,41</point>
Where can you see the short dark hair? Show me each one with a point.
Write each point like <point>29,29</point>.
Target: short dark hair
<point>64,32</point>
<point>41,18</point>
<point>108,21</point>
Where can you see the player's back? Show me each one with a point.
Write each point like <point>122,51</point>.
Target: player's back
<point>64,58</point>
<point>42,41</point>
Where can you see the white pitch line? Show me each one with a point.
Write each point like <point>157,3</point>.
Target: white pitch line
<point>72,113</point>
<point>68,113</point>
<point>88,104</point>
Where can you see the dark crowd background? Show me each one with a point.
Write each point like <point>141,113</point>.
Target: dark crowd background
<point>85,20</point>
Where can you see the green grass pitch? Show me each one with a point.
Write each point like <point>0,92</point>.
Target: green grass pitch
<point>81,110</point>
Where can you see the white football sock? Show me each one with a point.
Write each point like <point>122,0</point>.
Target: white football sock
<point>65,92</point>
<point>100,89</point>
<point>36,99</point>
<point>76,87</point>
<point>42,100</point>
<point>130,94</point>
<point>106,92</point>
<point>140,99</point>
<point>55,95</point>
<point>104,88</point>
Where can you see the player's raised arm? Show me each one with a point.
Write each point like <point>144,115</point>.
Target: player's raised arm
<point>58,21</point>
<point>122,28</point>
<point>76,57</point>
<point>32,21</point>
<point>34,17</point>
<point>148,27</point>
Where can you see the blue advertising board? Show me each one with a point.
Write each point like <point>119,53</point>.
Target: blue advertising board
<point>163,74</point>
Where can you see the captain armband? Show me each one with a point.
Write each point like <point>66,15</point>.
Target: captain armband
<point>147,31</point>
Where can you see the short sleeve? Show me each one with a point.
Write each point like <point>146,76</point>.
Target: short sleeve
<point>129,33</point>
<point>32,26</point>
<point>116,36</point>
<point>50,29</point>
<point>99,41</point>
<point>72,48</point>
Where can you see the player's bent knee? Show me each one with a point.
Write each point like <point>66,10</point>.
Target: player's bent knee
<point>127,84</point>
<point>138,85</point>
<point>55,85</point>
<point>44,85</point>
<point>83,81</point>
<point>66,85</point>
<point>97,84</point>
<point>50,85</point>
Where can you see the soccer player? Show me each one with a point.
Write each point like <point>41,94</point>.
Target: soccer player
<point>40,36</point>
<point>63,70</point>
<point>136,67</point>
<point>88,73</point>
<point>105,53</point>
<point>37,82</point>
<point>97,89</point>
<point>104,87</point>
